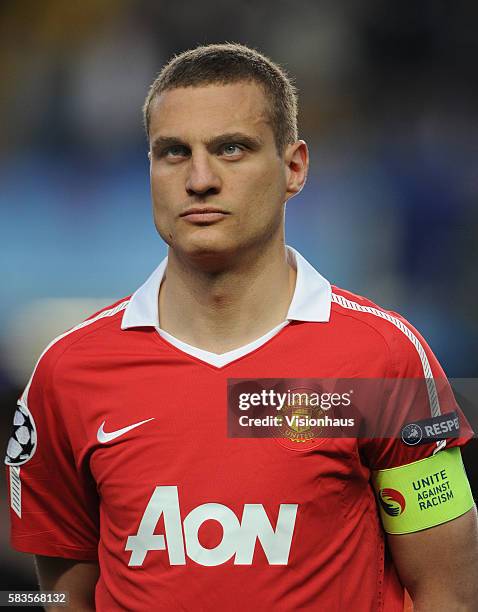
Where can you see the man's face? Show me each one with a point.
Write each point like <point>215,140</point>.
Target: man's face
<point>218,184</point>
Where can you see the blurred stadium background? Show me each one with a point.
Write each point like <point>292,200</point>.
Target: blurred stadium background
<point>388,106</point>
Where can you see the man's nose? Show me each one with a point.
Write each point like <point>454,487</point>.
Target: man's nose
<point>202,177</point>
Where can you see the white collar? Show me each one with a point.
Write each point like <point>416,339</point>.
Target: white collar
<point>310,302</point>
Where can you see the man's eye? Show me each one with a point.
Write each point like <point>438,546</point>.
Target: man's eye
<point>230,150</point>
<point>175,151</point>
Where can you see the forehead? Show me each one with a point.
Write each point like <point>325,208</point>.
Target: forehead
<point>189,112</point>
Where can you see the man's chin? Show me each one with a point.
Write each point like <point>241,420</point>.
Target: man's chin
<point>208,254</point>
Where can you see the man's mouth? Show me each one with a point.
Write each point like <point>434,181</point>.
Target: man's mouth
<point>203,214</point>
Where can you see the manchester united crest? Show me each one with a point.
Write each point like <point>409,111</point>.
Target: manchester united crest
<point>300,418</point>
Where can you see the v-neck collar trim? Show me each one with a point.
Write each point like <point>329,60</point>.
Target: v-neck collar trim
<point>311,302</point>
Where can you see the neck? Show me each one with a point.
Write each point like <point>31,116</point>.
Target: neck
<point>223,310</point>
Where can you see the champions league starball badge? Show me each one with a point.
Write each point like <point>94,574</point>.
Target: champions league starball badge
<point>23,441</point>
<point>412,434</point>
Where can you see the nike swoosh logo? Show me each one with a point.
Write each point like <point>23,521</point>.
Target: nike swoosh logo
<point>106,436</point>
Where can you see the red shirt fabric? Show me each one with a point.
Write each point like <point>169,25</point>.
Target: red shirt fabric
<point>181,517</point>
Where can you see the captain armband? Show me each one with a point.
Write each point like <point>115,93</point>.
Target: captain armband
<point>424,493</point>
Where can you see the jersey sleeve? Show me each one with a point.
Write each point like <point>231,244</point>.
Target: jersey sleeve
<point>53,498</point>
<point>419,415</point>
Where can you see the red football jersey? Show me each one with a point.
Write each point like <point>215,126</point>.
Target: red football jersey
<point>129,461</point>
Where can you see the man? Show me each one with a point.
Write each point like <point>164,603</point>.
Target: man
<point>134,497</point>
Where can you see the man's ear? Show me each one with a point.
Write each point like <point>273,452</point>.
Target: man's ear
<point>296,158</point>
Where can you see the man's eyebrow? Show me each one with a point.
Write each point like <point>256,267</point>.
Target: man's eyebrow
<point>166,141</point>
<point>253,142</point>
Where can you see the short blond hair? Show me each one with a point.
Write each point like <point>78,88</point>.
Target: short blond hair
<point>231,63</point>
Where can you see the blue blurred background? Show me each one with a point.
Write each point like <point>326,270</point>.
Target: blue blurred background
<point>388,96</point>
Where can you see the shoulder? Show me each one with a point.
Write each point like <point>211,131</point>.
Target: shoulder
<point>409,353</point>
<point>91,331</point>
<point>102,321</point>
<point>347,304</point>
